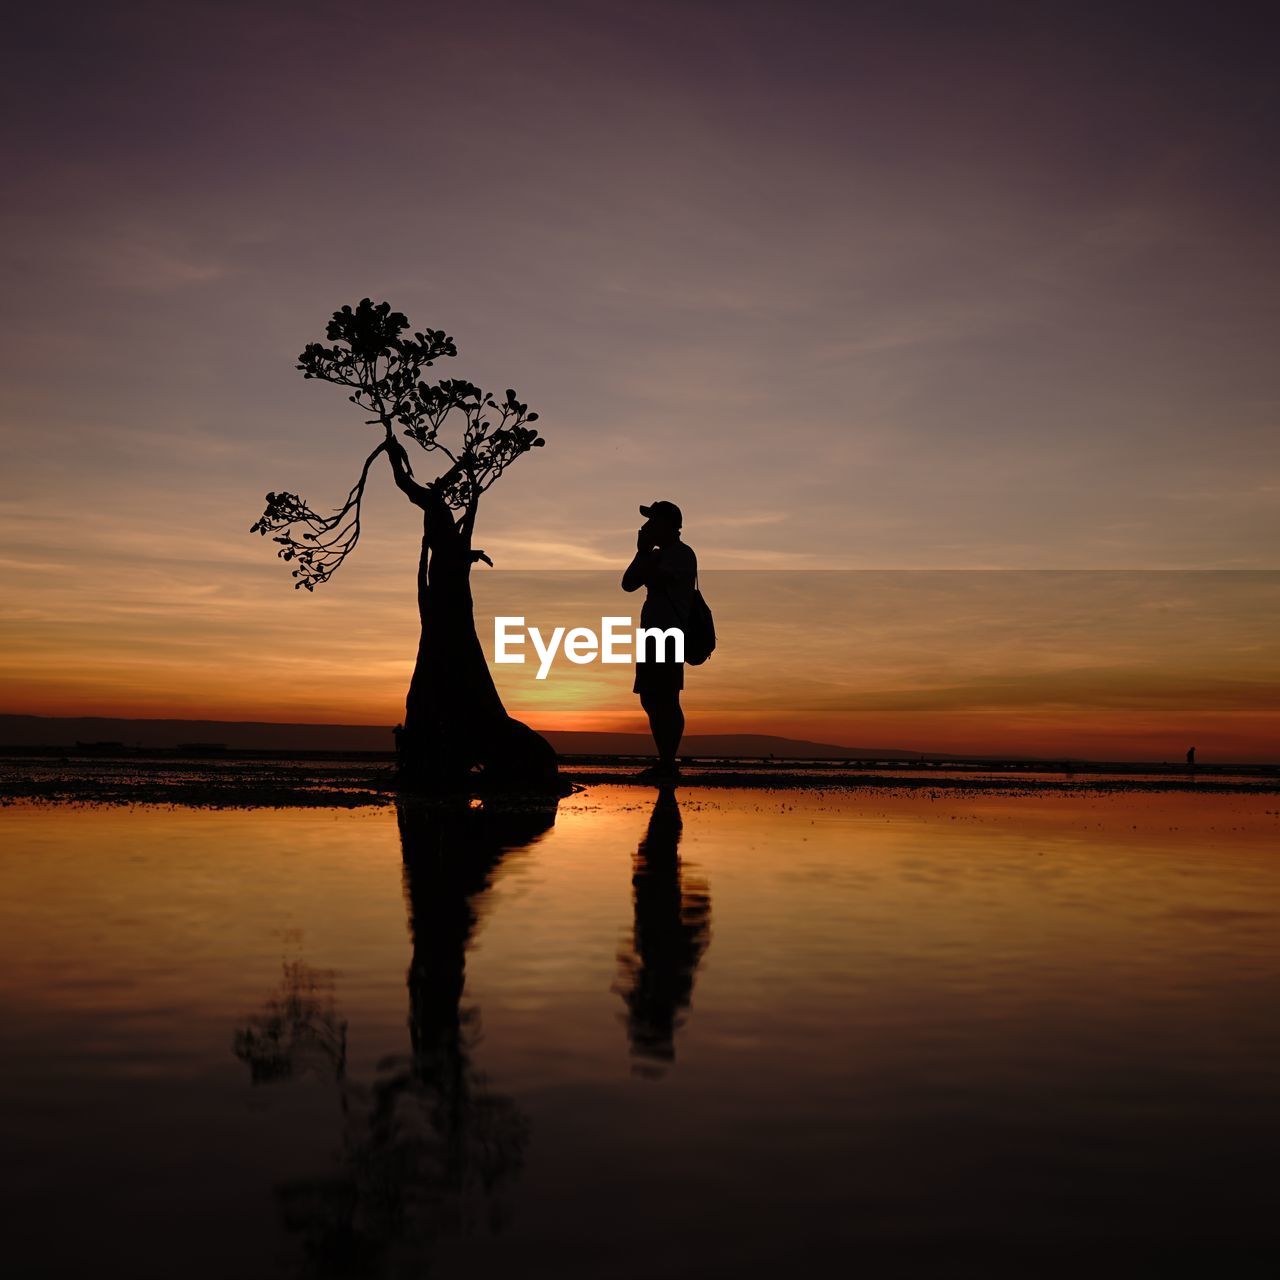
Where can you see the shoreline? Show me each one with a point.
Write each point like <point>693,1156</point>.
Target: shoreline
<point>260,783</point>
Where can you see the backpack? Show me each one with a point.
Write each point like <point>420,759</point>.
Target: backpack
<point>699,630</point>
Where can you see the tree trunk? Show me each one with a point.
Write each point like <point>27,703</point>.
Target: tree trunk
<point>455,722</point>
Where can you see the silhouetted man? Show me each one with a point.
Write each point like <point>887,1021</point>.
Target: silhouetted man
<point>668,569</point>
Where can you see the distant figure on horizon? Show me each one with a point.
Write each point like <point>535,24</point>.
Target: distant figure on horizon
<point>668,569</point>
<point>1191,757</point>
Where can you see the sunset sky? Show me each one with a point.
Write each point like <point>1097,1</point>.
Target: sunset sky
<point>861,286</point>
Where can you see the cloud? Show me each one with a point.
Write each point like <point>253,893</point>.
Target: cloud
<point>141,260</point>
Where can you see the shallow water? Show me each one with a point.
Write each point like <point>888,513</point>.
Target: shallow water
<point>759,1030</point>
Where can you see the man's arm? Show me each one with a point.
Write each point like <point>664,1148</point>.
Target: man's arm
<point>640,572</point>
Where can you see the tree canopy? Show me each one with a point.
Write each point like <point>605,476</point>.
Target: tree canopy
<point>369,353</point>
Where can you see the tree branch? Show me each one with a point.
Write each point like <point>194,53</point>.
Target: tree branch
<point>371,356</point>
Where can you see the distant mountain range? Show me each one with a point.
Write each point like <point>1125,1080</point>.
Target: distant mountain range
<point>719,744</point>
<point>236,735</point>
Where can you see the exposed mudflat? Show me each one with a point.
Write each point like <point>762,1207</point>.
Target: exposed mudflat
<point>251,782</point>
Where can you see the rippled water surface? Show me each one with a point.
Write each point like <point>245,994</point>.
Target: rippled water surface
<point>745,1033</point>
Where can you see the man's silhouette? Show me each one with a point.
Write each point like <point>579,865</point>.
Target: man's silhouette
<point>668,569</point>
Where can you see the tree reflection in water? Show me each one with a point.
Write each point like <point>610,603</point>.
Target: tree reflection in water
<point>298,1030</point>
<point>672,931</point>
<point>428,1147</point>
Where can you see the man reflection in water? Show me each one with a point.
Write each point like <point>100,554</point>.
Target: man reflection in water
<point>668,569</point>
<point>672,931</point>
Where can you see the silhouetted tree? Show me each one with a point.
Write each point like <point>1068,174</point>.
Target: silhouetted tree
<point>454,718</point>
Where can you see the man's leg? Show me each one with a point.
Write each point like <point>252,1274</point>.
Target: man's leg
<point>666,723</point>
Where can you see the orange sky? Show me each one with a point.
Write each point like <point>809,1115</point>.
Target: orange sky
<point>1089,663</point>
<point>859,292</point>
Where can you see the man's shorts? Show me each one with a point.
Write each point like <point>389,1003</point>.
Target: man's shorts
<point>658,678</point>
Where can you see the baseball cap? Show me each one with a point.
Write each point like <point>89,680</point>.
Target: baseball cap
<point>667,511</point>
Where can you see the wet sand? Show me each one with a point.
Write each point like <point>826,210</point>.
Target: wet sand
<point>285,782</point>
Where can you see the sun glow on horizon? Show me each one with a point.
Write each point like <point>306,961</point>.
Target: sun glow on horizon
<point>1084,665</point>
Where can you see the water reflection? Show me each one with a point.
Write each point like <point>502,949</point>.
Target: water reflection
<point>972,1035</point>
<point>672,931</point>
<point>428,1148</point>
<point>299,1030</point>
